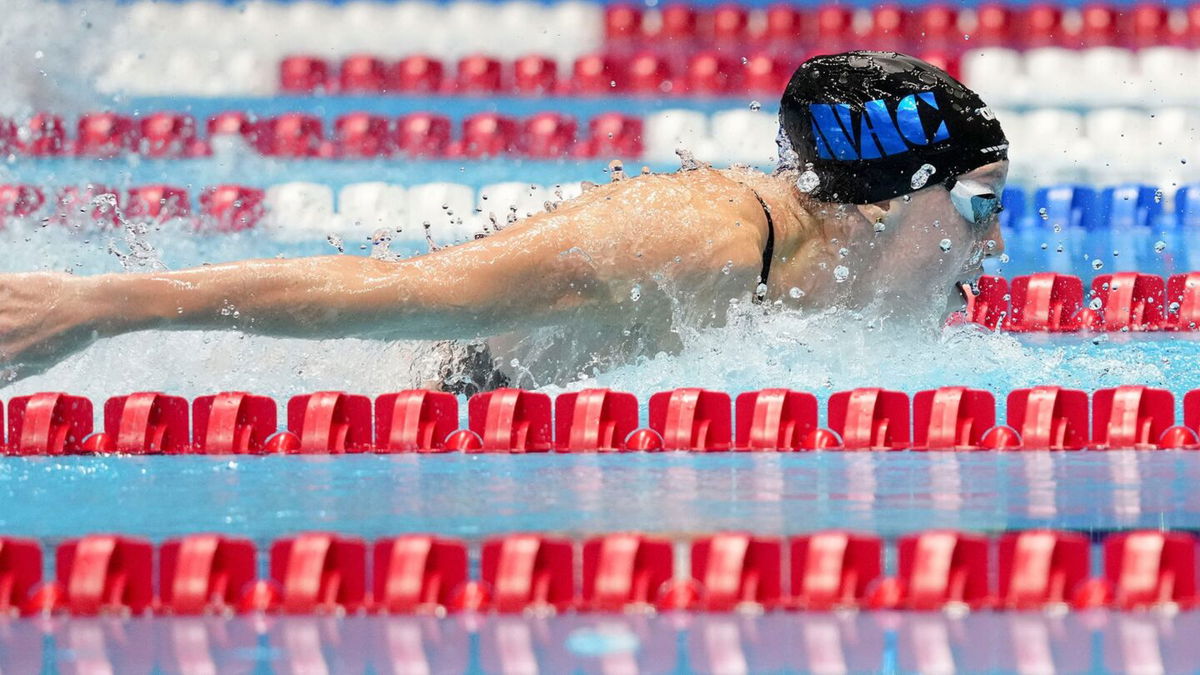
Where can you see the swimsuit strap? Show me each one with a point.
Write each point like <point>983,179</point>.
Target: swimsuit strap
<point>768,250</point>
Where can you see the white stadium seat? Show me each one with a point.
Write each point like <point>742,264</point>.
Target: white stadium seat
<point>745,136</point>
<point>996,73</point>
<point>500,199</point>
<point>1053,75</point>
<point>1108,75</point>
<point>300,211</point>
<point>449,208</point>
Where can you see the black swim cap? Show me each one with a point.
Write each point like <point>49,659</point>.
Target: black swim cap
<point>877,125</point>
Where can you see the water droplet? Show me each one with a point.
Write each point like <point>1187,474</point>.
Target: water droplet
<point>1097,264</point>
<point>760,290</point>
<point>1043,213</point>
<point>1158,196</point>
<point>843,252</point>
<point>841,273</point>
<point>1160,246</point>
<point>635,293</point>
<point>1004,258</point>
<point>944,244</point>
<point>796,293</point>
<point>727,267</point>
<point>921,177</point>
<point>1173,307</point>
<point>1095,303</point>
<point>808,181</point>
<point>687,161</point>
<point>880,226</point>
<point>1059,248</point>
<point>1057,227</point>
<point>1045,246</point>
<point>755,106</point>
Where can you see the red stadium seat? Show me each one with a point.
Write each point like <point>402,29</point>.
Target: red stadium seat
<point>1043,25</point>
<point>1129,301</point>
<point>890,25</point>
<point>511,420</point>
<point>594,420</point>
<point>363,74</point>
<point>104,135</point>
<point>84,205</point>
<point>20,572</point>
<point>20,201</point>
<point>319,573</point>
<point>48,424</point>
<point>423,135</point>
<point>648,73</point>
<point>233,208</point>
<point>936,24</point>
<point>418,573</point>
<point>8,136</point>
<point>835,26</point>
<point>479,74</point>
<point>941,568</point>
<point>535,75</point>
<point>415,420</point>
<point>332,422</point>
<point>167,134</point>
<point>1101,25</point>
<point>1045,302</point>
<point>526,571</point>
<point>832,570</point>
<point>1049,418</point>
<point>304,75</point>
<point>232,122</point>
<point>1131,417</point>
<point>293,135</point>
<point>1150,568</point>
<point>995,25</point>
<point>871,419</point>
<point>692,419</point>
<point>737,569</point>
<point>204,573</point>
<point>232,422</point>
<point>1149,25</point>
<point>45,136</point>
<point>487,135</point>
<point>614,135</point>
<point>622,21</point>
<point>713,73</point>
<point>625,571</point>
<point>362,135</point>
<point>549,135</point>
<point>145,423</point>
<point>103,573</point>
<point>418,74</point>
<point>774,419</point>
<point>952,418</point>
<point>157,203</point>
<point>1041,568</point>
<point>598,75</point>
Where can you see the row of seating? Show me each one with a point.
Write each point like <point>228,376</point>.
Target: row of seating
<point>603,420</point>
<point>328,573</point>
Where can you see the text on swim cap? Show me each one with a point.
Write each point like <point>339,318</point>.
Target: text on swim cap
<point>879,131</point>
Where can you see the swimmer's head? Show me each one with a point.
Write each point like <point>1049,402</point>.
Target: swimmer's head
<point>866,127</point>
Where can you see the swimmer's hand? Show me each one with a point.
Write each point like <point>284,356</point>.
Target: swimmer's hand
<point>44,317</point>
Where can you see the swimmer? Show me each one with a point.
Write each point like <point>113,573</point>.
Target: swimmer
<point>886,198</point>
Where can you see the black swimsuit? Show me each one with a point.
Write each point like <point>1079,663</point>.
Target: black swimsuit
<point>760,291</point>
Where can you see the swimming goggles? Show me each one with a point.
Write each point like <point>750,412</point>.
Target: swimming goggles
<point>975,201</point>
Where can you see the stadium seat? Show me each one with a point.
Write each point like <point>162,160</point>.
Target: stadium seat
<point>232,423</point>
<point>618,135</point>
<point>479,74</point>
<point>418,74</point>
<point>423,135</point>
<point>535,75</point>
<point>299,210</point>
<point>549,135</point>
<point>505,201</point>
<point>441,210</point>
<point>363,74</point>
<point>167,134</point>
<point>362,135</point>
<point>232,208</point>
<point>487,135</point>
<point>669,130</point>
<point>104,135</point>
<point>157,203</point>
<point>303,75</point>
<point>292,135</point>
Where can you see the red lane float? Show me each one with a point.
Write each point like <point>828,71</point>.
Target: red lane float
<point>20,572</point>
<point>775,419</point>
<point>1045,302</point>
<point>1131,417</point>
<point>232,422</point>
<point>418,573</point>
<point>1148,569</point>
<point>692,419</point>
<point>318,573</point>
<point>414,421</point>
<point>938,569</point>
<point>100,574</point>
<point>48,424</point>
<point>832,570</point>
<point>594,420</point>
<point>511,420</point>
<point>143,423</point>
<point>1043,418</point>
<point>735,571</point>
<point>1041,568</point>
<point>523,572</point>
<point>332,422</point>
<point>870,419</point>
<point>1129,301</point>
<point>952,418</point>
<point>625,572</point>
<point>204,573</point>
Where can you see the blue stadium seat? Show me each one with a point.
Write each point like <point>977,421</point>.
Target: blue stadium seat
<point>1128,205</point>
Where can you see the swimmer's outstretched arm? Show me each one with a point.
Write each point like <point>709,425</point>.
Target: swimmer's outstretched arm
<point>583,258</point>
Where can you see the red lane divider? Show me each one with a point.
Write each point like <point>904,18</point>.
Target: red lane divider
<point>602,420</point>
<point>356,135</point>
<point>322,573</point>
